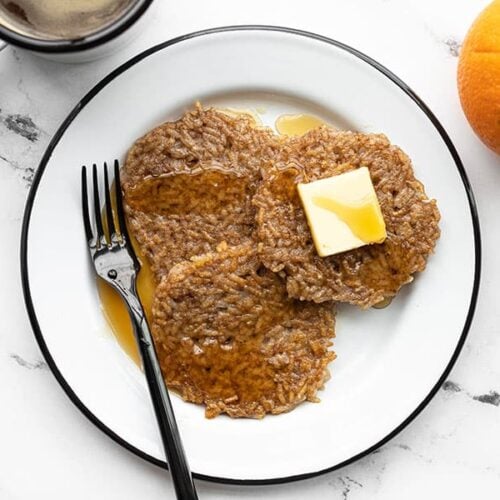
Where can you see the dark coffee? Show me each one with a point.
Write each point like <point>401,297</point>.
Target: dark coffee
<point>60,19</point>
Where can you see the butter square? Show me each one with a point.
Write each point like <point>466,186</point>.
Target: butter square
<point>343,212</point>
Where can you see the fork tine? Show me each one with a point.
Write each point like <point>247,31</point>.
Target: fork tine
<point>119,203</point>
<point>121,217</point>
<point>85,205</point>
<point>97,208</point>
<point>109,207</point>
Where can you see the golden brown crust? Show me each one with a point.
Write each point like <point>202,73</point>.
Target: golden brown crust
<point>176,217</point>
<point>201,138</point>
<point>229,336</point>
<point>188,184</point>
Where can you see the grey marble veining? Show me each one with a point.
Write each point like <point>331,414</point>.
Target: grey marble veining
<point>22,125</point>
<point>492,397</point>
<point>36,365</point>
<point>453,46</point>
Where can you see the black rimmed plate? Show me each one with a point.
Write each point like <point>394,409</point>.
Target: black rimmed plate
<point>390,362</point>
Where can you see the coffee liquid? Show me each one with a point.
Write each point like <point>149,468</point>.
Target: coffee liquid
<point>60,19</point>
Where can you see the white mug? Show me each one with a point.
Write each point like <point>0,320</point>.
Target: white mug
<point>94,46</point>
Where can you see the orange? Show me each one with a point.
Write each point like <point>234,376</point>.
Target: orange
<point>479,76</point>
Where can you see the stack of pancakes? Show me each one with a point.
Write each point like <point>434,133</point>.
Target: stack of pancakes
<point>243,315</point>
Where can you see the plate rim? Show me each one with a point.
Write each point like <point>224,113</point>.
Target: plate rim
<point>121,69</point>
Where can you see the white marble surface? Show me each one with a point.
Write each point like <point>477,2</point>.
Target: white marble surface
<point>48,450</point>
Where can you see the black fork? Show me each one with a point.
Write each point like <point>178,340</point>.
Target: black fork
<point>115,262</point>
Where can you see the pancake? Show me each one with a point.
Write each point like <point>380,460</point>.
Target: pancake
<point>229,336</point>
<point>188,184</point>
<point>177,216</point>
<point>364,276</point>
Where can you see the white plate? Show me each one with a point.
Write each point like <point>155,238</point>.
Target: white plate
<point>390,362</point>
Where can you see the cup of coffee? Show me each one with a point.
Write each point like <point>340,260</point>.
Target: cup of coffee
<point>70,30</point>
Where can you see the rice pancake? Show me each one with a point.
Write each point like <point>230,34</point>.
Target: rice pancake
<point>364,276</point>
<point>229,336</point>
<point>188,184</point>
<point>177,216</point>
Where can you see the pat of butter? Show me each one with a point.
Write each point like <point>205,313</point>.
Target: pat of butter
<point>343,212</point>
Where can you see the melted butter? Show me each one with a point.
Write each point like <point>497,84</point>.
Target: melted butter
<point>363,218</point>
<point>383,303</point>
<point>293,125</point>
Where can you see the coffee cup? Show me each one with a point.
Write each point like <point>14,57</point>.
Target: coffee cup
<point>71,30</point>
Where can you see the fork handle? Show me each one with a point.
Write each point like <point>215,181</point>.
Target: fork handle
<point>176,458</point>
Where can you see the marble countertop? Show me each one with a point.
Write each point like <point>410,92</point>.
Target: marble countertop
<point>48,450</point>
